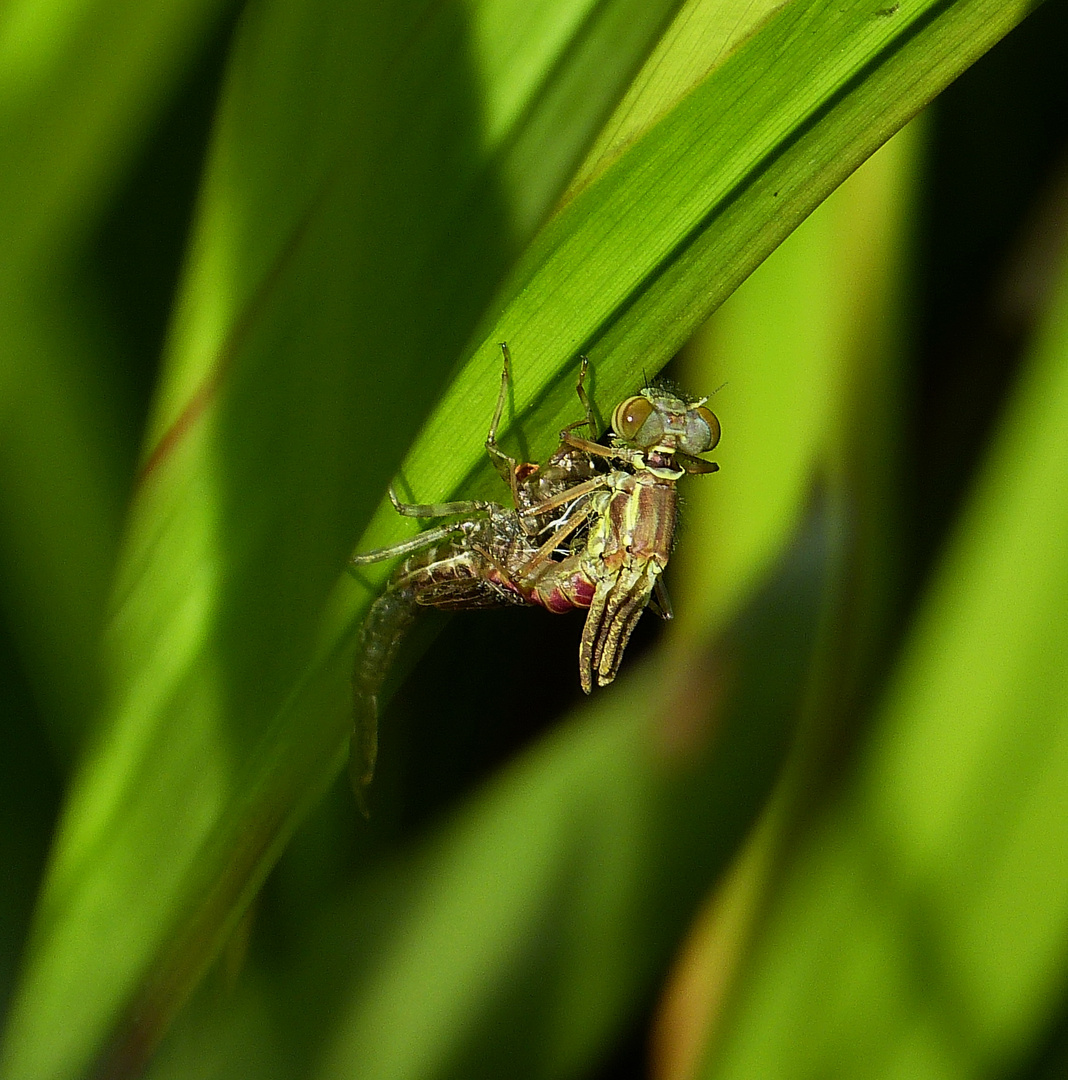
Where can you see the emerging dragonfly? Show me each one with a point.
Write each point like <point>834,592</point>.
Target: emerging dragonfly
<point>592,528</point>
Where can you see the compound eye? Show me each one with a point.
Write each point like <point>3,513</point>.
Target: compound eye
<point>702,430</point>
<point>630,415</point>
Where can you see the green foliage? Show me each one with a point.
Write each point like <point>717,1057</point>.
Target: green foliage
<point>386,193</point>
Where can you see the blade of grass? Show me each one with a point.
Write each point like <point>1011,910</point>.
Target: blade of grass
<point>700,38</point>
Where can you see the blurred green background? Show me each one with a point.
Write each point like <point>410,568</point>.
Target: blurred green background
<point>255,261</point>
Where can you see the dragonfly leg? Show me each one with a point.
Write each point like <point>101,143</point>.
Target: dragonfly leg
<point>556,540</point>
<point>465,507</point>
<point>504,464</point>
<point>405,547</point>
<point>596,449</point>
<point>588,420</point>
<point>617,605</point>
<point>627,601</point>
<point>591,633</point>
<point>566,498</point>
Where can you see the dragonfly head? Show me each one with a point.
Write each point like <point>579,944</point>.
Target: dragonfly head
<point>660,425</point>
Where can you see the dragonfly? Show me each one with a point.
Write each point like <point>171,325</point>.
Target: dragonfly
<point>592,527</point>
